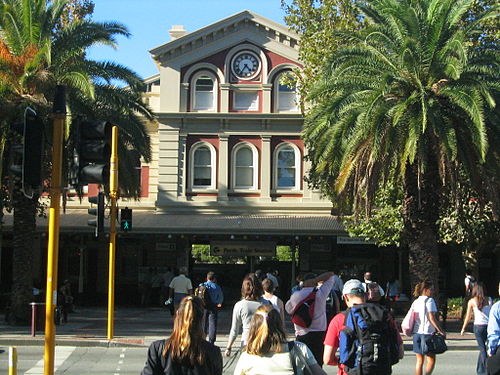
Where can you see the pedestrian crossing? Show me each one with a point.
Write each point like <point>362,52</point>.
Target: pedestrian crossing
<point>61,354</point>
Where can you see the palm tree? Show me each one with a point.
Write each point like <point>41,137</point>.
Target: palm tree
<point>38,52</point>
<point>405,102</point>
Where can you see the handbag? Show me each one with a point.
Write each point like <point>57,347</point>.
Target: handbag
<point>297,358</point>
<point>408,322</point>
<point>436,344</point>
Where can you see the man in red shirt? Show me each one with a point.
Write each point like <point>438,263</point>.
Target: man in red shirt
<point>353,294</point>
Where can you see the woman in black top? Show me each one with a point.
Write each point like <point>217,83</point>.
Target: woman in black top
<point>185,352</point>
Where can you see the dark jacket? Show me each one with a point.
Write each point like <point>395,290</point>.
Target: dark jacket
<point>157,364</point>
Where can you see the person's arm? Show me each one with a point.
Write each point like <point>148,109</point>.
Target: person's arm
<point>330,355</point>
<point>432,318</point>
<point>235,329</point>
<point>313,282</point>
<point>467,316</point>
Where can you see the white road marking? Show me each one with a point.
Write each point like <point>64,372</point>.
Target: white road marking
<point>122,355</point>
<point>120,362</point>
<point>61,354</point>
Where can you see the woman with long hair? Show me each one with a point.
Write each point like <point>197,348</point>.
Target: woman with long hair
<point>251,299</point>
<point>426,324</point>
<point>186,351</point>
<point>268,352</point>
<point>479,305</point>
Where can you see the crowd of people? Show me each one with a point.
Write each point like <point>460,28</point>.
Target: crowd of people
<point>362,337</point>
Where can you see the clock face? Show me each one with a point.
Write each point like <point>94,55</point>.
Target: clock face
<point>245,65</point>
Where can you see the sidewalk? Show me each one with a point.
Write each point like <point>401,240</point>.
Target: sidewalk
<point>141,326</point>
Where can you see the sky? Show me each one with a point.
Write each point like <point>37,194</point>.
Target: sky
<point>149,22</point>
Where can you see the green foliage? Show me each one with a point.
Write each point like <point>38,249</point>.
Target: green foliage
<point>455,307</point>
<point>317,22</point>
<point>201,254</point>
<point>384,225</point>
<point>44,44</point>
<point>408,84</point>
<point>283,254</point>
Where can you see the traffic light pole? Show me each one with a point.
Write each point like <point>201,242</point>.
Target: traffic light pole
<point>113,193</point>
<point>59,118</point>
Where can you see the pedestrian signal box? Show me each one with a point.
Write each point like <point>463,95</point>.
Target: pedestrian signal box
<point>126,219</point>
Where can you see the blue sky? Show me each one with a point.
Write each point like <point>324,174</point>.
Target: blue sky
<point>150,20</point>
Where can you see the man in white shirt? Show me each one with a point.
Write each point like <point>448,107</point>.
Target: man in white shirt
<point>180,287</point>
<point>313,335</point>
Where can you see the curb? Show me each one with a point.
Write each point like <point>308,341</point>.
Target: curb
<point>5,342</point>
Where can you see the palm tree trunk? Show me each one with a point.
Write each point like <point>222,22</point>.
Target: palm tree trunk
<point>420,216</point>
<point>22,272</point>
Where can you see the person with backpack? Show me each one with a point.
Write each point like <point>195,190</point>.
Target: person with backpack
<point>308,309</point>
<point>186,351</point>
<point>425,325</point>
<point>211,294</point>
<point>268,352</point>
<point>365,334</point>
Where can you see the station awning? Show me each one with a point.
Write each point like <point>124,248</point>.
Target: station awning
<point>150,222</point>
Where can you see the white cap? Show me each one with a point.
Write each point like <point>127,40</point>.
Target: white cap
<point>353,286</point>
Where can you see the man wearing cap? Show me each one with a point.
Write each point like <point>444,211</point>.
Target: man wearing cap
<point>313,335</point>
<point>353,294</point>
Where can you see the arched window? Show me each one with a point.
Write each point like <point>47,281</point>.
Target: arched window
<point>203,166</point>
<point>285,97</point>
<point>204,92</point>
<point>245,167</point>
<point>287,167</point>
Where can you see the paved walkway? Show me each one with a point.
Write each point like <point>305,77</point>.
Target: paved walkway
<point>141,326</point>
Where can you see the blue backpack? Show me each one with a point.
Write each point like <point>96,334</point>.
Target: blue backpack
<point>368,343</point>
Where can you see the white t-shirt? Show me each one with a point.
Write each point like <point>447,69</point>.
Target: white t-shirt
<point>421,306</point>
<point>181,284</point>
<point>275,364</point>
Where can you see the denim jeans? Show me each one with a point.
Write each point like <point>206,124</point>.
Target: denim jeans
<point>211,324</point>
<point>481,335</point>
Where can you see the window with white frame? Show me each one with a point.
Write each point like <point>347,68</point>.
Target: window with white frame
<point>245,166</point>
<point>204,93</point>
<point>246,100</point>
<point>286,98</point>
<point>203,166</point>
<point>287,167</point>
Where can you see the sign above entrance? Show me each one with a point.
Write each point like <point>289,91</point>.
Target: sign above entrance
<point>344,240</point>
<point>243,248</point>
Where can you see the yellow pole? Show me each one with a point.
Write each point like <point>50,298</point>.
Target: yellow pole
<point>59,117</point>
<point>12,360</point>
<point>113,193</point>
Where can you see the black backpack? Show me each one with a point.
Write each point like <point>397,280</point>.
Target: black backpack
<point>202,292</point>
<point>368,343</point>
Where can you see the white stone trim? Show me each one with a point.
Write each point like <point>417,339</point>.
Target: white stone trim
<point>298,172</point>
<point>215,91</point>
<point>213,169</point>
<point>255,160</point>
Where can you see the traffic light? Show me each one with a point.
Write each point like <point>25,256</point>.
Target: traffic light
<point>98,211</point>
<point>27,156</point>
<point>93,150</point>
<point>126,219</point>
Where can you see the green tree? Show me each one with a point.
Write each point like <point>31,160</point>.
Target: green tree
<point>39,49</point>
<point>316,21</point>
<point>405,103</point>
